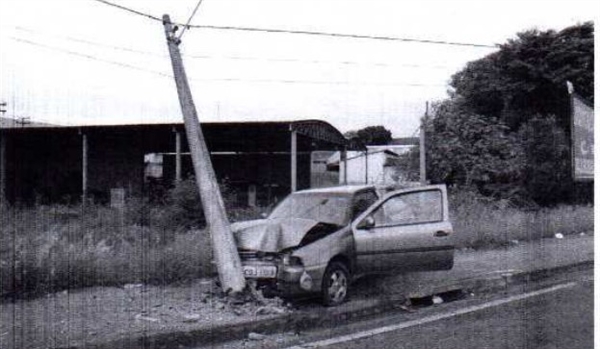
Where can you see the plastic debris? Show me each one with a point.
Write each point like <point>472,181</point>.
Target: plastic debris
<point>559,236</point>
<point>132,286</point>
<point>146,318</point>
<point>269,310</point>
<point>437,300</point>
<point>256,336</point>
<point>192,318</point>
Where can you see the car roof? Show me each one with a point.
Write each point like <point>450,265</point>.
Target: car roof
<point>343,189</point>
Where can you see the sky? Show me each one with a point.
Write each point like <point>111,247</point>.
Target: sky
<point>81,62</point>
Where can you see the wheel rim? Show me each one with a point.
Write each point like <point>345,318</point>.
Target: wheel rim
<point>338,286</point>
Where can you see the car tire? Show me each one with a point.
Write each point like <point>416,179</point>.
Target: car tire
<point>335,284</point>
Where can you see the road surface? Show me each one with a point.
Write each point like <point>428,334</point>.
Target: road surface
<point>558,315</point>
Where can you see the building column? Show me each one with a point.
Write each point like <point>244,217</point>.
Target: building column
<point>344,160</point>
<point>367,166</point>
<point>294,161</point>
<point>84,168</point>
<point>3,170</point>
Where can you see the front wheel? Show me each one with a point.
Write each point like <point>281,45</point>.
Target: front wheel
<point>335,285</point>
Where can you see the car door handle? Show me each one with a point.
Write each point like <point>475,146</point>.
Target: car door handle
<point>441,233</point>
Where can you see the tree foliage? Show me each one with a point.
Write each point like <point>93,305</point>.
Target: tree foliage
<point>547,172</point>
<point>528,76</point>
<point>371,135</point>
<point>468,149</point>
<point>505,127</point>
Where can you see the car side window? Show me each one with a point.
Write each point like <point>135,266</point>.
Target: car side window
<point>410,208</point>
<point>362,202</point>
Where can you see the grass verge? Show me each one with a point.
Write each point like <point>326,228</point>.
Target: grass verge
<point>51,248</point>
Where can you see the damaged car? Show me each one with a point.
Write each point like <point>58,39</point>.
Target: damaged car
<point>318,241</point>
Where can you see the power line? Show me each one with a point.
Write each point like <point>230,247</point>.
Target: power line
<point>94,43</point>
<point>242,80</point>
<point>341,35</point>
<point>83,55</point>
<point>139,13</point>
<point>304,32</point>
<point>189,20</point>
<point>234,57</point>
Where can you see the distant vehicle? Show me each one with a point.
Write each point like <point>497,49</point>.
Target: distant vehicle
<point>319,240</point>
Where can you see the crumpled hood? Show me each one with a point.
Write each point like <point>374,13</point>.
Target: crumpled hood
<point>271,235</point>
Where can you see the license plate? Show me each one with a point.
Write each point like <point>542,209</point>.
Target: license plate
<point>260,271</point>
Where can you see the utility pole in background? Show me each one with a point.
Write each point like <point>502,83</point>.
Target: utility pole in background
<point>2,159</point>
<point>226,255</point>
<point>422,159</point>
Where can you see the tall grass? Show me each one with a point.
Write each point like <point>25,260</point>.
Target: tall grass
<point>50,248</point>
<point>482,223</point>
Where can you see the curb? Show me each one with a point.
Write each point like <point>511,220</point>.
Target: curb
<point>304,320</point>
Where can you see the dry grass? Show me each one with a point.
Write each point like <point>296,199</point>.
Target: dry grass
<point>53,248</point>
<point>479,223</point>
<point>50,248</point>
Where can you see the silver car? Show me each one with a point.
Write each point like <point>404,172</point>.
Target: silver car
<point>317,241</point>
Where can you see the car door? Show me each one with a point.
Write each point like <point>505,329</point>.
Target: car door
<point>407,230</point>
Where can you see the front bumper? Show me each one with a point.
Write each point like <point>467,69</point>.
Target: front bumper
<point>291,280</point>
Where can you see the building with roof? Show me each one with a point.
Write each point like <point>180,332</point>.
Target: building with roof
<point>376,165</point>
<point>260,161</point>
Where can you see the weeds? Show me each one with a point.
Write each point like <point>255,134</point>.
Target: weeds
<point>51,248</point>
<point>482,223</point>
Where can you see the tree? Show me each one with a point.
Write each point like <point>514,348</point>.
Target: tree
<point>371,135</point>
<point>528,76</point>
<point>547,172</point>
<point>468,149</point>
<point>522,89</point>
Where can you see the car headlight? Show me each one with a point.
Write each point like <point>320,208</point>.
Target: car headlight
<point>290,260</point>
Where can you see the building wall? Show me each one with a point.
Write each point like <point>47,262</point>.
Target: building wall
<point>358,165</point>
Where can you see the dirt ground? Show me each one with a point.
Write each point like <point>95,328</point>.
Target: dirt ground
<point>104,314</point>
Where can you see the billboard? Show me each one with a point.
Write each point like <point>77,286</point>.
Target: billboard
<point>582,118</point>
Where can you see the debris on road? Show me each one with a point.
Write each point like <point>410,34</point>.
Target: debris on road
<point>559,236</point>
<point>437,300</point>
<point>256,336</point>
<point>192,318</point>
<point>141,317</point>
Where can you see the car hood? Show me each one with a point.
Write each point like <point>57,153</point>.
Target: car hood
<point>271,235</point>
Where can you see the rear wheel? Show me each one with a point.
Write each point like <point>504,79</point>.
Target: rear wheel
<point>336,281</point>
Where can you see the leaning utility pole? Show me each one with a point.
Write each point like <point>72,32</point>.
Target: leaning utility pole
<point>227,258</point>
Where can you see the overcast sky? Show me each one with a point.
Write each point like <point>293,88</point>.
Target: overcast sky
<point>75,62</point>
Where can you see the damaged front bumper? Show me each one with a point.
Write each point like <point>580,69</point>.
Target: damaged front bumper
<point>275,276</point>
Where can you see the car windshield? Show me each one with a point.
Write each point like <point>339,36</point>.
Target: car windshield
<point>322,208</point>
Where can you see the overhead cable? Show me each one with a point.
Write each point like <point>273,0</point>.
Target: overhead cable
<point>189,19</point>
<point>242,80</point>
<point>235,57</point>
<point>304,32</point>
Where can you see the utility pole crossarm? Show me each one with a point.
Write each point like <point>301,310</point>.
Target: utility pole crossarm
<point>227,258</point>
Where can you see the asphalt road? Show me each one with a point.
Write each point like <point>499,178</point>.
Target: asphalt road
<point>541,316</point>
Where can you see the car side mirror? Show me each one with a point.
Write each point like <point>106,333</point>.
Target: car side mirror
<point>367,223</point>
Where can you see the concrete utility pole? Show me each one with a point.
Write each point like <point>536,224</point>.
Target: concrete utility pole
<point>423,174</point>
<point>227,258</point>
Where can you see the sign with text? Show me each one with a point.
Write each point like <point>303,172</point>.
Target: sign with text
<point>583,139</point>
